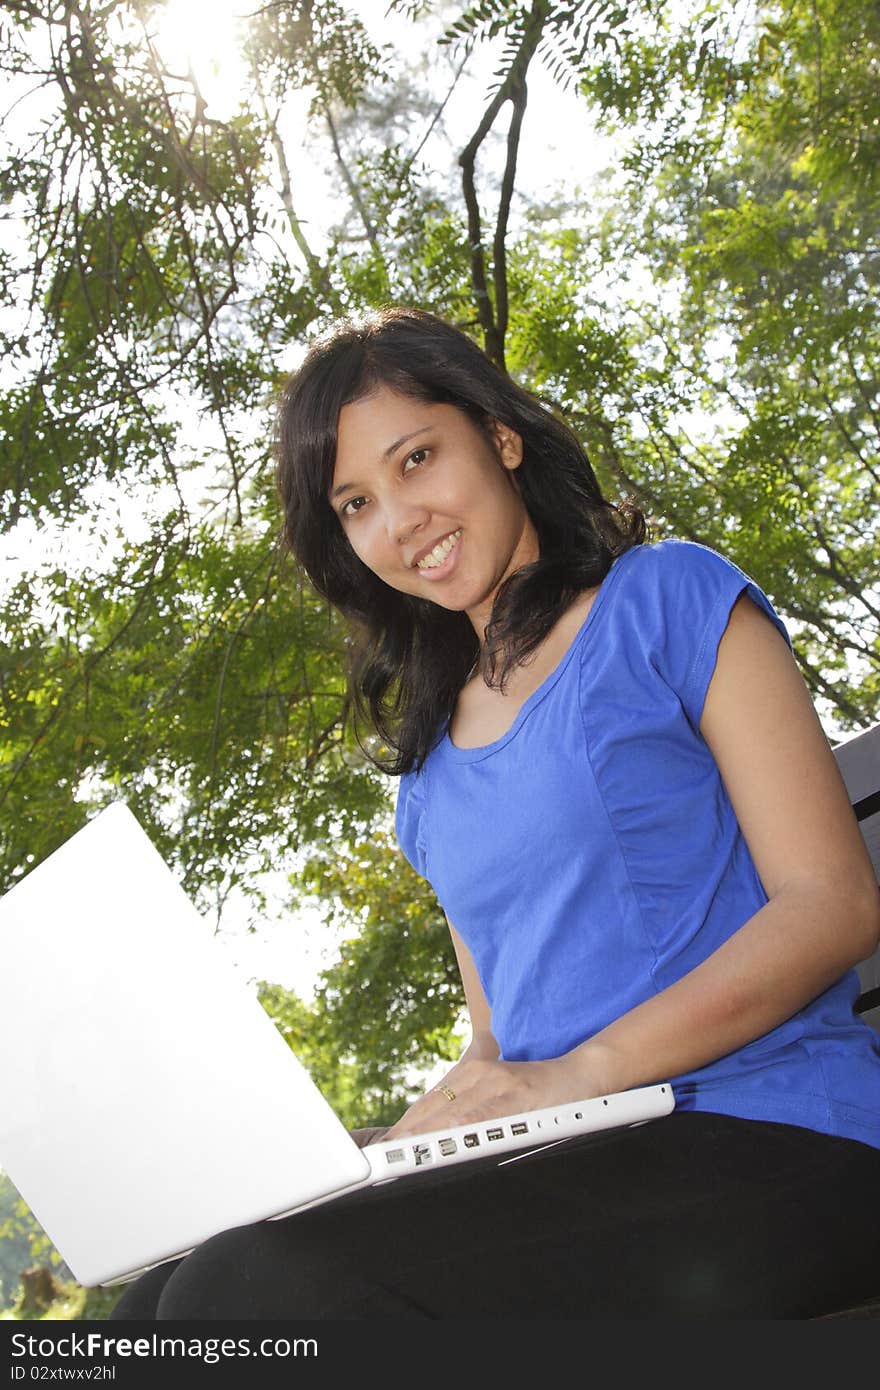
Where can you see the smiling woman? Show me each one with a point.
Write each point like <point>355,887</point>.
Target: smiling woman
<point>490,461</point>
<point>649,864</point>
<point>443,520</point>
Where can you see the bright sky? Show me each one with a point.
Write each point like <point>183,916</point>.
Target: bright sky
<point>558,141</point>
<point>290,952</point>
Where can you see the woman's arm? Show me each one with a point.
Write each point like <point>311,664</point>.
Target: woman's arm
<point>823,909</point>
<point>822,915</point>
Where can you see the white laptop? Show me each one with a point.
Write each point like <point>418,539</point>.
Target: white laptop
<point>147,1100</point>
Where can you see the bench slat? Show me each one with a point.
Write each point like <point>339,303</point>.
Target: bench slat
<point>858,758</point>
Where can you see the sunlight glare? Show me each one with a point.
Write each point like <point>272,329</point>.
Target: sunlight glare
<point>205,36</point>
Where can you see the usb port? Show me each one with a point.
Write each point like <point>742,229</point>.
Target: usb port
<point>394,1155</point>
<point>495,1133</point>
<point>472,1141</point>
<point>519,1128</point>
<point>448,1146</point>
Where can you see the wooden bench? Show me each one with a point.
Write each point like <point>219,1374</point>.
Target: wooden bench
<point>859,761</point>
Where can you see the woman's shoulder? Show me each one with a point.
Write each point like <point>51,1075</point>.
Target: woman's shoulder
<point>681,577</point>
<point>673,555</point>
<point>674,604</point>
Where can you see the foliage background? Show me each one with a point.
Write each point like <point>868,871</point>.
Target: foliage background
<point>703,309</point>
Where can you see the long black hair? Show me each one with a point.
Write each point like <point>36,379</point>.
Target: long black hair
<point>411,657</point>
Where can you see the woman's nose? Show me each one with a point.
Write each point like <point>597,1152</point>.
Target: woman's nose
<point>403,520</point>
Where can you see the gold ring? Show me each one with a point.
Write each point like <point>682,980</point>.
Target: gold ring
<point>447,1091</point>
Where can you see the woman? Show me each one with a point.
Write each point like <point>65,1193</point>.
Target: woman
<point>614,778</point>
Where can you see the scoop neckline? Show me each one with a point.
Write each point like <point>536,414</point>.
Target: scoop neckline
<point>485,750</point>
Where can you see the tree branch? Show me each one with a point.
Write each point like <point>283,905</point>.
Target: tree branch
<point>493,318</point>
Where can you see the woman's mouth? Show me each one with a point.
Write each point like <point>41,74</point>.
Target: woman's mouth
<point>438,561</point>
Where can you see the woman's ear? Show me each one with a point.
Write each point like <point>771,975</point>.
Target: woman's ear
<point>508,443</point>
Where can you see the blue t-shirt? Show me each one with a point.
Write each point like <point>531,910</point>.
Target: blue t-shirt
<point>591,856</point>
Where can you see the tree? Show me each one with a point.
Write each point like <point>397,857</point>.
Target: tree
<point>394,996</point>
<point>747,226</point>
<point>162,267</point>
<point>139,310</point>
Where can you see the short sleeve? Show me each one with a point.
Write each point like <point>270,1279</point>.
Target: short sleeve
<point>409,820</point>
<point>695,589</point>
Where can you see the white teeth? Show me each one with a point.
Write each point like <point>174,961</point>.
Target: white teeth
<point>439,553</point>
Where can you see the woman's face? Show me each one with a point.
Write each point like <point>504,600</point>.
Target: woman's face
<point>428,501</point>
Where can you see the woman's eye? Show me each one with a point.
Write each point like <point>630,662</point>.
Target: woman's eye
<point>416,458</point>
<point>353,506</point>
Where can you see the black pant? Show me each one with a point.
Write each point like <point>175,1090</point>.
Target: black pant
<point>688,1216</point>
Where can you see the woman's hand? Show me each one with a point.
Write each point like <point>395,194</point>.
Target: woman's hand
<point>370,1134</point>
<point>485,1090</point>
